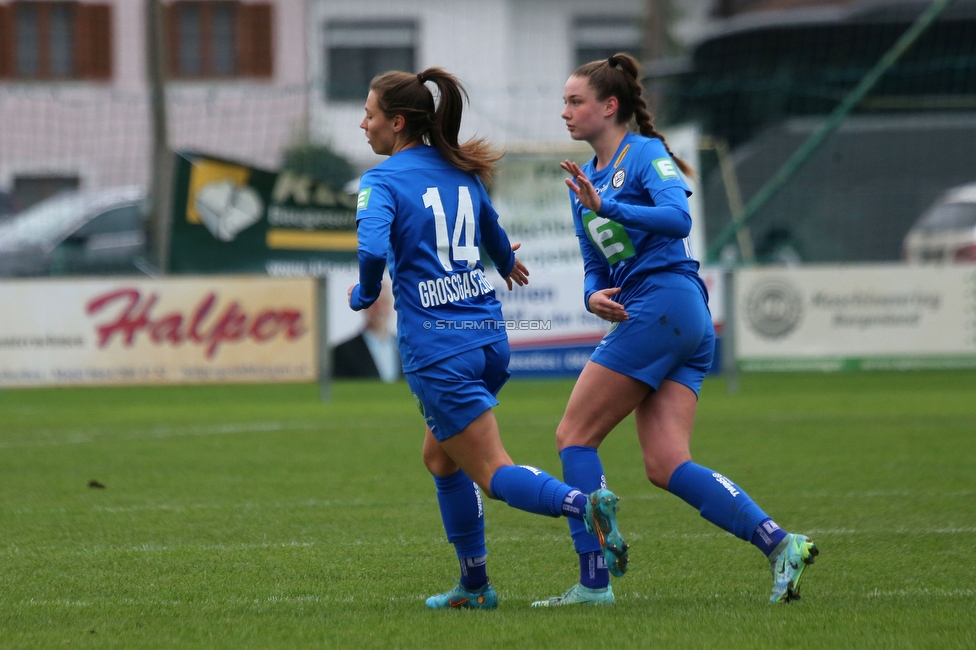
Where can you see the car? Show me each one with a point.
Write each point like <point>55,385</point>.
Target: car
<point>6,205</point>
<point>946,232</point>
<point>88,232</point>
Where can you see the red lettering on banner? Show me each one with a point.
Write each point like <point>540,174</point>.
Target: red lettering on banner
<point>202,309</point>
<point>232,324</point>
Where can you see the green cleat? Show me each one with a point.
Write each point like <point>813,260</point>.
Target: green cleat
<point>787,562</point>
<point>601,520</point>
<point>579,595</point>
<point>461,598</point>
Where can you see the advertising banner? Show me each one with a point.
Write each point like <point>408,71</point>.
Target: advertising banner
<point>856,317</point>
<point>229,217</point>
<point>174,331</point>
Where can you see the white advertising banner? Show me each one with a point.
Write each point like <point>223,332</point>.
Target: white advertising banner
<point>143,331</point>
<point>857,316</point>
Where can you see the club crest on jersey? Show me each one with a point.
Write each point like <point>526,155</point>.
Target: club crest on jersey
<point>618,178</point>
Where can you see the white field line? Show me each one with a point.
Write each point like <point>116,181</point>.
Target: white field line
<point>839,532</point>
<point>328,503</point>
<point>56,438</point>
<point>914,593</point>
<point>853,494</point>
<point>208,602</point>
<point>325,598</point>
<point>427,540</point>
<point>187,507</point>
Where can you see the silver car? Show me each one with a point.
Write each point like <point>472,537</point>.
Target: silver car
<point>93,232</point>
<point>946,232</point>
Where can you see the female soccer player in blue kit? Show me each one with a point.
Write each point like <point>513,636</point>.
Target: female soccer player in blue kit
<point>425,211</point>
<point>630,207</point>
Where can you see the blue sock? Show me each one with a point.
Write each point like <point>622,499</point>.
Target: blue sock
<point>593,570</point>
<point>474,572</point>
<point>532,490</point>
<point>767,536</point>
<point>718,499</point>
<point>462,513</point>
<point>574,506</point>
<point>582,468</point>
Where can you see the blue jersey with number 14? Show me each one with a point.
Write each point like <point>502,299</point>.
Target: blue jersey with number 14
<point>429,220</point>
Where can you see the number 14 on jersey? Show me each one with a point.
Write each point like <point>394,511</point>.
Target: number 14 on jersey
<point>448,247</point>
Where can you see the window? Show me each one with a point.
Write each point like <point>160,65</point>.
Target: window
<point>55,40</point>
<point>601,37</point>
<point>219,39</point>
<point>31,189</point>
<point>122,219</point>
<point>358,51</point>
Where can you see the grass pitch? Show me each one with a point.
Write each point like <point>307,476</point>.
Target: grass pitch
<point>258,516</point>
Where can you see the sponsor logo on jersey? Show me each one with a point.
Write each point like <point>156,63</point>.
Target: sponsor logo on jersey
<point>429,419</point>
<point>618,178</point>
<point>363,199</point>
<point>598,190</point>
<point>603,342</point>
<point>620,158</point>
<point>665,168</point>
<point>609,237</point>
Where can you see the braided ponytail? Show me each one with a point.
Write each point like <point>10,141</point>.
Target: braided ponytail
<point>619,76</point>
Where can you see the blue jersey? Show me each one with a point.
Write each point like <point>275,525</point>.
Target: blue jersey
<point>429,221</point>
<point>643,223</point>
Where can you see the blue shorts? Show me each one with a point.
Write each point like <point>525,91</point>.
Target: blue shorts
<point>453,392</point>
<point>669,334</point>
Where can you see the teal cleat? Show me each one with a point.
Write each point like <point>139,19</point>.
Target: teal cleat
<point>787,562</point>
<point>579,595</point>
<point>461,598</point>
<point>601,520</point>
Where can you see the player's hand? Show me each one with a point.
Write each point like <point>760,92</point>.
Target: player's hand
<point>349,296</point>
<point>582,186</point>
<point>606,308</point>
<point>519,274</point>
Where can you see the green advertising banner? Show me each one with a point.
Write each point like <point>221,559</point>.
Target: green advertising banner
<point>232,218</point>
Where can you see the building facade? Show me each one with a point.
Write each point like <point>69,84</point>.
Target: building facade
<point>513,56</point>
<point>74,100</point>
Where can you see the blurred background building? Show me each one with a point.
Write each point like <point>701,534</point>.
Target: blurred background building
<point>262,81</point>
<point>513,56</point>
<point>74,101</point>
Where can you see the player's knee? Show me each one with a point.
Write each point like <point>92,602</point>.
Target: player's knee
<point>658,472</point>
<point>438,463</point>
<point>569,435</point>
<point>656,476</point>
